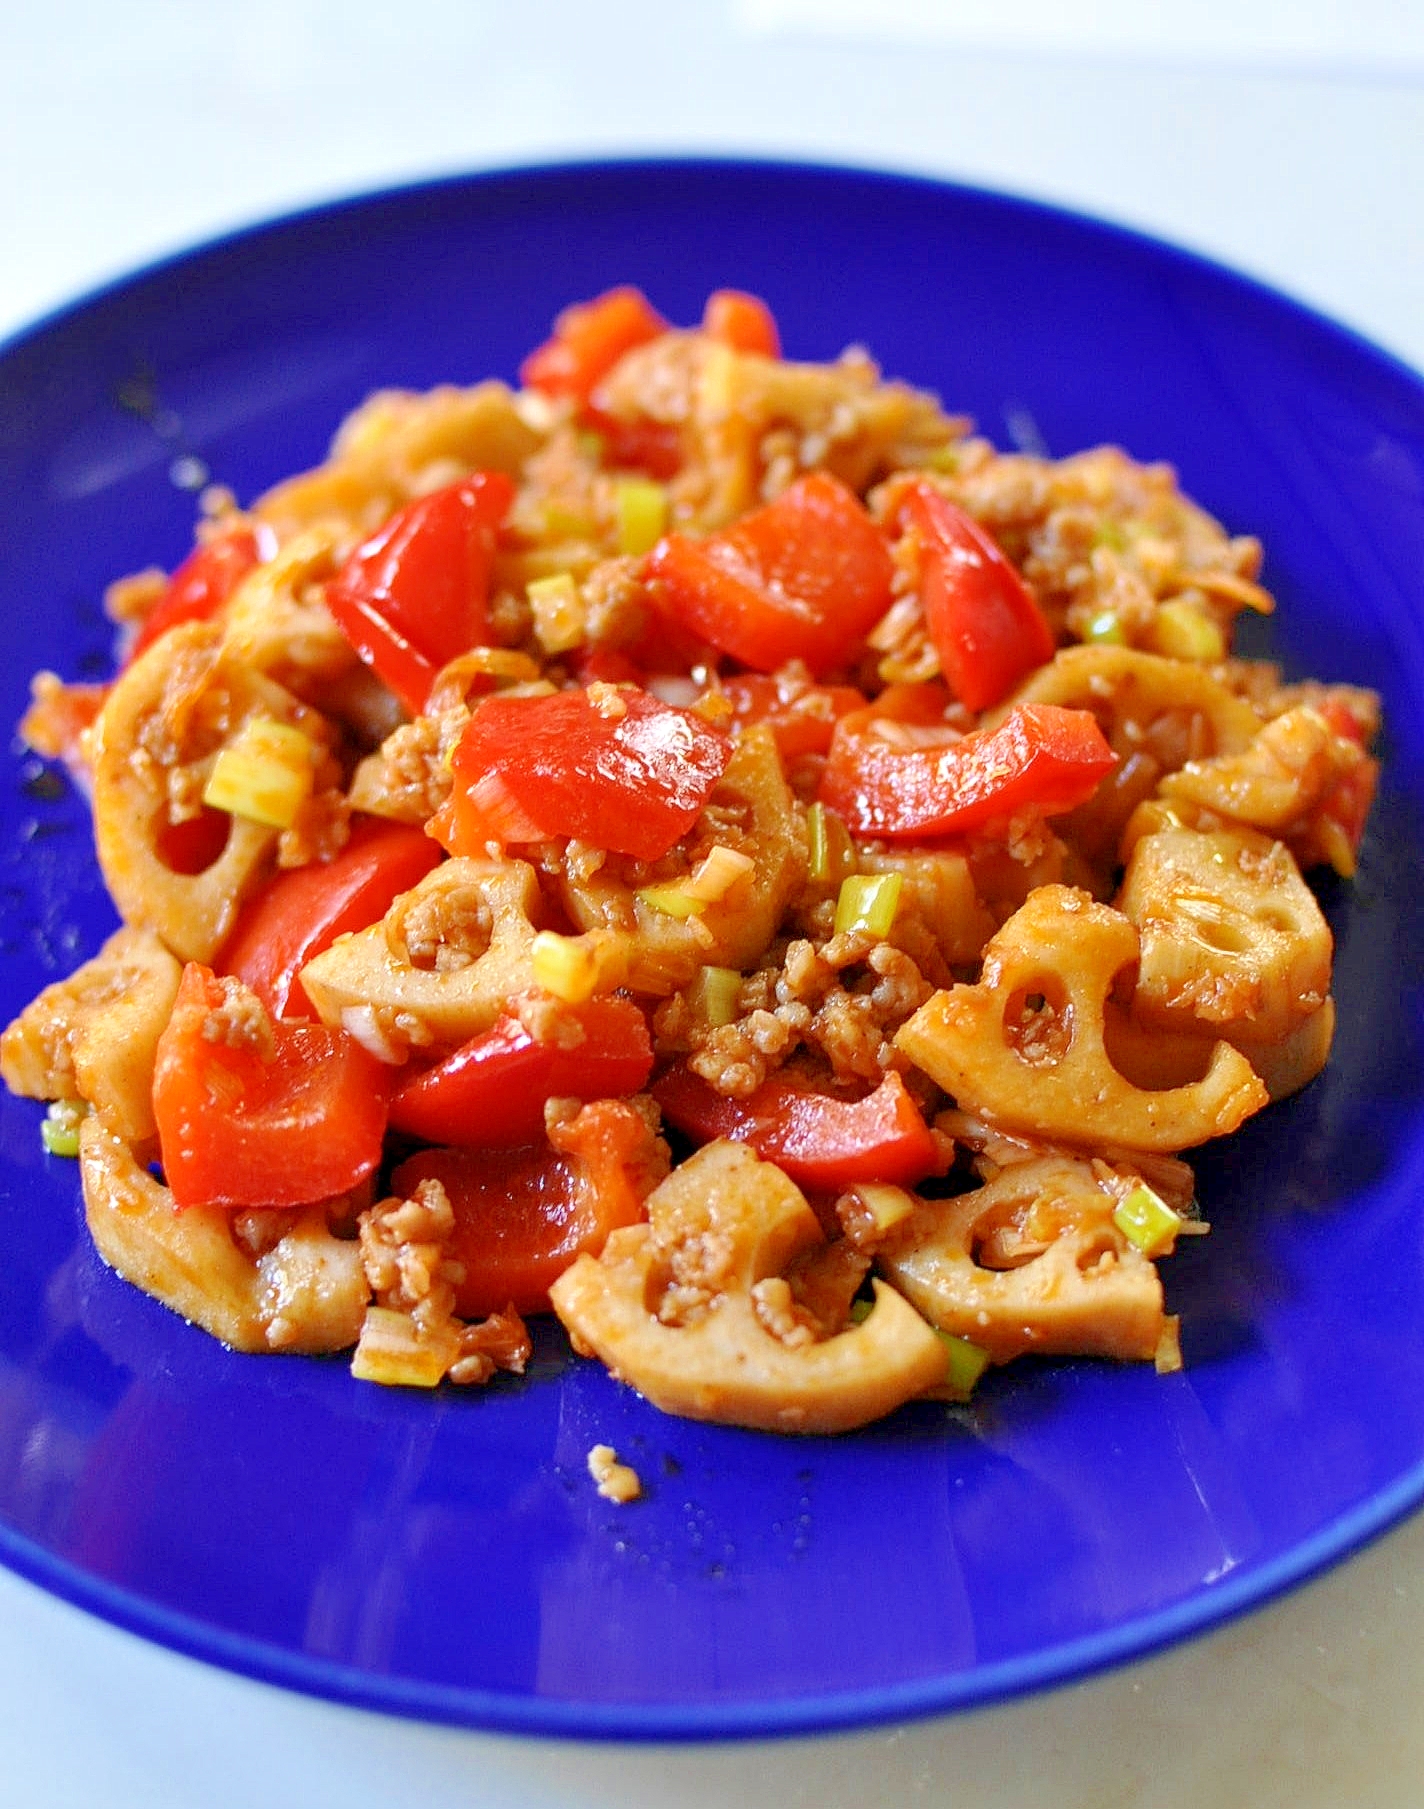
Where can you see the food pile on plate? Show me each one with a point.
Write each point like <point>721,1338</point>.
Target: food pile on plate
<point>703,844</point>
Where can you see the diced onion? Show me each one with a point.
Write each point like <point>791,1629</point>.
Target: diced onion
<point>1167,1358</point>
<point>1183,632</point>
<point>887,1205</point>
<point>362,1026</point>
<point>394,1351</point>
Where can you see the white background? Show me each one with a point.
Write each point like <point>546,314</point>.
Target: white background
<point>1284,136</point>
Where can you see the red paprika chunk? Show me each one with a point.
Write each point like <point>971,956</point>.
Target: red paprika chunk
<point>1344,811</point>
<point>1341,815</point>
<point>416,594</point>
<point>986,626</point>
<point>523,1215</point>
<point>611,766</point>
<point>804,578</point>
<point>300,912</point>
<point>201,586</point>
<point>741,321</point>
<point>255,1113</point>
<point>59,717</point>
<point>822,1142</point>
<point>636,444</point>
<point>801,716</point>
<point>923,782</point>
<point>588,340</point>
<point>606,666</point>
<point>192,844</point>
<point>491,1091</point>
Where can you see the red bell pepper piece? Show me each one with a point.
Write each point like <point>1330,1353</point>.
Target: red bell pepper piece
<point>986,625</point>
<point>639,444</point>
<point>300,912</point>
<point>1342,719</point>
<point>1040,758</point>
<point>823,1143</point>
<point>57,720</point>
<point>741,321</point>
<point>523,1215</point>
<point>244,1123</point>
<point>1347,804</point>
<point>192,844</point>
<point>803,578</point>
<point>589,339</point>
<point>609,766</point>
<point>491,1091</point>
<point>415,595</point>
<point>605,666</point>
<point>802,717</point>
<point>201,585</point>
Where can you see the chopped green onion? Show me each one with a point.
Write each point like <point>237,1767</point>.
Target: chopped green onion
<point>719,870</point>
<point>672,899</point>
<point>591,445</point>
<point>59,1132</point>
<point>265,773</point>
<point>569,967</point>
<point>717,385</point>
<point>559,620</point>
<point>816,837</point>
<point>1145,1219</point>
<point>867,903</point>
<point>560,522</point>
<point>967,1362</point>
<point>642,514</point>
<point>713,994</point>
<point>1104,630</point>
<point>832,853</point>
<point>1184,632</point>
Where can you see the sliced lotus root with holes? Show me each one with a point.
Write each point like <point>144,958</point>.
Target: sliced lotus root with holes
<point>1232,939</point>
<point>692,1309</point>
<point>155,743</point>
<point>440,966</point>
<point>1025,1046</point>
<point>307,1293</point>
<point>1030,1262</point>
<point>1128,690</point>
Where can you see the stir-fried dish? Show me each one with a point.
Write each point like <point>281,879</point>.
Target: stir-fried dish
<point>701,844</point>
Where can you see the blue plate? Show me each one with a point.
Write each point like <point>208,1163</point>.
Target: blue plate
<point>448,1558</point>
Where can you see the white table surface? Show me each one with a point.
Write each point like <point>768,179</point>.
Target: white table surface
<point>1287,140</point>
